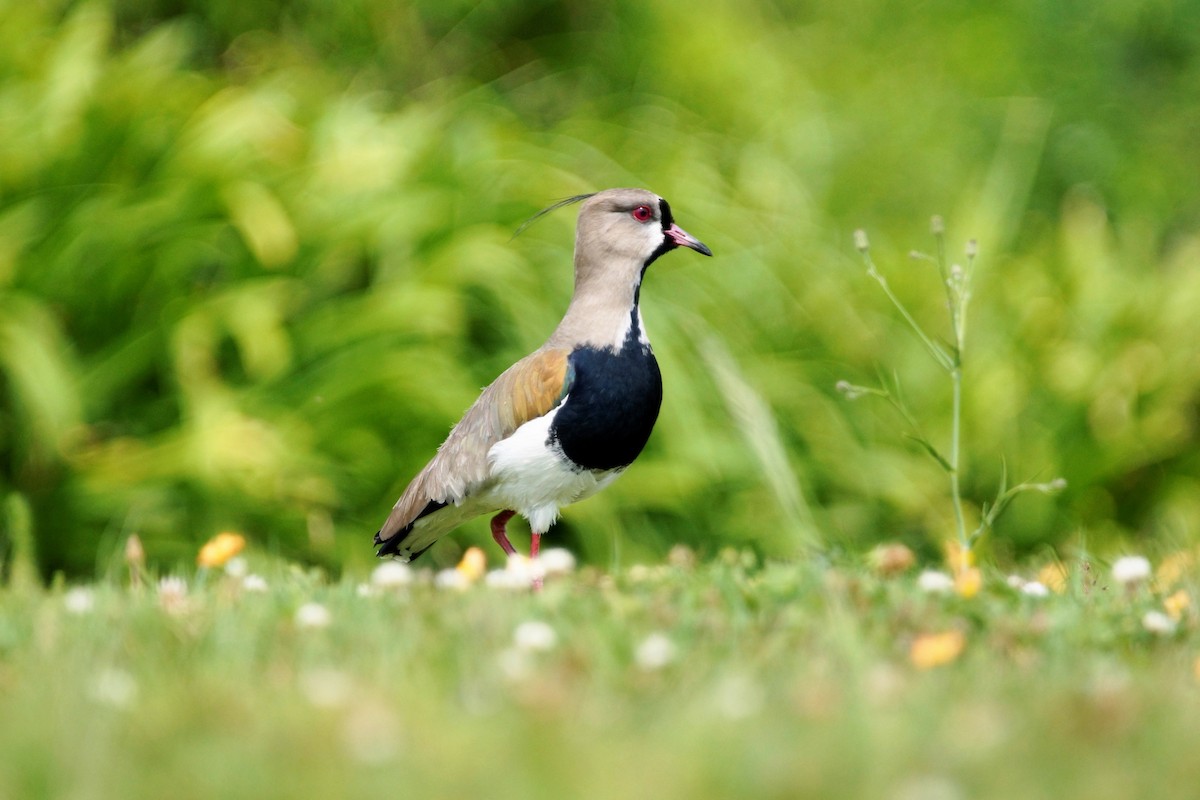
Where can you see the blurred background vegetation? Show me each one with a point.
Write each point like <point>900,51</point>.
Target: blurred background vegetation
<point>256,258</point>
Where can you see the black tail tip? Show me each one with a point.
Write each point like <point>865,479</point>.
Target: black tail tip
<point>390,548</point>
<point>387,547</point>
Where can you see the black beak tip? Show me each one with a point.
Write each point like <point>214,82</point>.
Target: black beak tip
<point>702,249</point>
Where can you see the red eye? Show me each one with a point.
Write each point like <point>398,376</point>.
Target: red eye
<point>642,213</point>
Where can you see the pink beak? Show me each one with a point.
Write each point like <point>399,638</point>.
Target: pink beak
<point>684,239</point>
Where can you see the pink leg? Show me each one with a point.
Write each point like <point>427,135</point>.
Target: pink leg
<point>535,544</point>
<point>498,523</point>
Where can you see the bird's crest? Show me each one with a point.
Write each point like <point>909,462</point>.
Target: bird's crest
<point>566,201</point>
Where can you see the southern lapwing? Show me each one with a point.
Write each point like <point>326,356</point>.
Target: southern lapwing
<point>566,420</point>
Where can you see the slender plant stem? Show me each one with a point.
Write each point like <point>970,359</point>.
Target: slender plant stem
<point>935,350</point>
<point>956,282</point>
<point>955,436</point>
<point>956,303</point>
<point>939,238</point>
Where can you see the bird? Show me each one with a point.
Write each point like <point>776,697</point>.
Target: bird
<point>566,420</point>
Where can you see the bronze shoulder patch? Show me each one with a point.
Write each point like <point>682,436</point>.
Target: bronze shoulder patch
<point>534,387</point>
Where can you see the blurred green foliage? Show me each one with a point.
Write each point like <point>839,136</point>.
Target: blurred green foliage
<point>256,258</point>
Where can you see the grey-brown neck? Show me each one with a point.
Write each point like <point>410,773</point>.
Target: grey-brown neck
<point>602,306</point>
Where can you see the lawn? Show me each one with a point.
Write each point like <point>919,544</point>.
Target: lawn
<point>726,678</point>
<point>256,259</point>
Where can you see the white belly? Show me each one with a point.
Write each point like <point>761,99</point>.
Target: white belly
<point>536,480</point>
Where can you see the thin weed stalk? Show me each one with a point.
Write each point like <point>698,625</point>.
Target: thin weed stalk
<point>956,282</point>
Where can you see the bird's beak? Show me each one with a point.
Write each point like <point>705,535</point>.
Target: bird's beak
<point>684,239</point>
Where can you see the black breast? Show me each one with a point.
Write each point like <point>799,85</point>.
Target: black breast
<point>611,407</point>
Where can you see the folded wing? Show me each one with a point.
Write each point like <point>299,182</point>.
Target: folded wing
<point>527,390</point>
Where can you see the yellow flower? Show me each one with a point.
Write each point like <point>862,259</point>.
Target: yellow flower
<point>220,549</point>
<point>958,558</point>
<point>1177,604</point>
<point>1054,577</point>
<point>935,649</point>
<point>967,582</point>
<point>473,564</point>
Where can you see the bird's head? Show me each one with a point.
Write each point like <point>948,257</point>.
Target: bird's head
<point>619,234</point>
<point>625,230</point>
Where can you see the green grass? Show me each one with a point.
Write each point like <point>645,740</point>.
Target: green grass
<point>787,680</point>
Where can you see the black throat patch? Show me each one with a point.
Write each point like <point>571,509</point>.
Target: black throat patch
<point>667,244</point>
<point>613,404</point>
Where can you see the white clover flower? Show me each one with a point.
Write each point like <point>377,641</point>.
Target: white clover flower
<point>371,734</point>
<point>236,567</point>
<point>79,600</point>
<point>513,664</point>
<point>557,561</point>
<point>1158,622</point>
<point>1131,570</point>
<point>738,697</point>
<point>1015,582</point>
<point>507,580</point>
<point>639,573</point>
<point>254,583</point>
<point>928,787</point>
<point>326,687</point>
<point>313,616</point>
<point>392,575</point>
<point>519,573</point>
<point>172,594</point>
<point>172,585</point>
<point>1035,589</point>
<point>452,579</point>
<point>527,569</point>
<point>655,652</point>
<point>114,687</point>
<point>534,636</point>
<point>935,582</point>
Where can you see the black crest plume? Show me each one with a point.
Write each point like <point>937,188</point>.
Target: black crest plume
<point>566,201</point>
